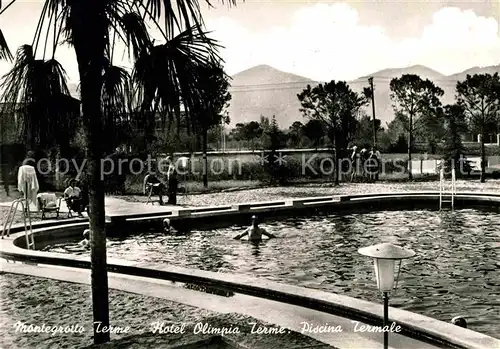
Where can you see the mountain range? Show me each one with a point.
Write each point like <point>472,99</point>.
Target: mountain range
<point>264,90</point>
<point>267,91</point>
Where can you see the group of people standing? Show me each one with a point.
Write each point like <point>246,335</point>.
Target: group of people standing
<point>168,186</point>
<point>365,164</point>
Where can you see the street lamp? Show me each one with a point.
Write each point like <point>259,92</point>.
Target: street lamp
<point>385,257</point>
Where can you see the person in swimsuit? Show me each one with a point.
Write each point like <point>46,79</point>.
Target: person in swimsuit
<point>254,232</point>
<point>459,321</point>
<point>167,227</point>
<point>86,239</point>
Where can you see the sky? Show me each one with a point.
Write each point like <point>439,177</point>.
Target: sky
<point>326,40</point>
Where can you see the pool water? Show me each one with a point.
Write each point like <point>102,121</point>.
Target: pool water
<point>456,270</point>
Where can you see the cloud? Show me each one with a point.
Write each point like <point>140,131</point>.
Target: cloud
<point>326,41</point>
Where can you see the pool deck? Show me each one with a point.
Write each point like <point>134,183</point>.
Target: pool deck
<point>281,314</point>
<point>121,210</point>
<point>115,206</point>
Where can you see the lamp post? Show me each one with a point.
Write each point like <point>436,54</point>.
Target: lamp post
<point>386,257</point>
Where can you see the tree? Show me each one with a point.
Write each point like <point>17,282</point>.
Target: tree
<point>369,93</point>
<point>315,131</point>
<point>455,128</point>
<point>479,96</point>
<point>274,140</point>
<point>212,101</point>
<point>265,123</point>
<point>394,138</point>
<point>336,106</point>
<point>251,132</point>
<point>364,131</point>
<point>164,77</point>
<point>295,133</point>
<point>418,100</point>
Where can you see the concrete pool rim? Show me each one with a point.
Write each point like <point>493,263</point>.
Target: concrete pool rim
<point>217,216</point>
<point>417,326</point>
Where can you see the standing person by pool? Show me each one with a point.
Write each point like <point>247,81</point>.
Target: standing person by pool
<point>27,181</point>
<point>378,156</point>
<point>254,232</point>
<point>373,164</point>
<point>172,181</point>
<point>354,162</point>
<point>363,158</point>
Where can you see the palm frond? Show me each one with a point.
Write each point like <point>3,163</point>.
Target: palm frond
<point>174,15</point>
<point>116,101</point>
<point>5,53</point>
<point>117,89</point>
<point>36,87</point>
<point>167,73</point>
<point>136,34</point>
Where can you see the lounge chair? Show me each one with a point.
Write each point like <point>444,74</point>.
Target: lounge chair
<point>48,203</point>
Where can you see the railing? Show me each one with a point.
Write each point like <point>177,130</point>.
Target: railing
<point>28,230</point>
<point>442,190</point>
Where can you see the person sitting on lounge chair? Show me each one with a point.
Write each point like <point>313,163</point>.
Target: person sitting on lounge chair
<point>73,197</point>
<point>151,182</point>
<point>254,232</point>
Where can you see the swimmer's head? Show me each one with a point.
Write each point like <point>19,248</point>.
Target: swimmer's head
<point>166,223</point>
<point>86,234</point>
<point>459,321</point>
<point>255,220</point>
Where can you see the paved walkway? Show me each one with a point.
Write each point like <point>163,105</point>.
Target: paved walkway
<point>115,206</point>
<point>285,315</point>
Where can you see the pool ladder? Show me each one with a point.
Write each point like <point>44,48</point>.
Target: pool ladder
<point>28,230</point>
<point>444,197</point>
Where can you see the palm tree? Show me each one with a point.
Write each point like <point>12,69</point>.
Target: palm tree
<point>49,114</point>
<point>210,105</point>
<point>163,73</point>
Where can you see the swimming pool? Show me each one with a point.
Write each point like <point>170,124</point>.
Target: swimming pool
<point>456,270</point>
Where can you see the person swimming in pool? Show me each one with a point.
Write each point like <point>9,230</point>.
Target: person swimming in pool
<point>254,232</point>
<point>167,227</point>
<point>86,239</point>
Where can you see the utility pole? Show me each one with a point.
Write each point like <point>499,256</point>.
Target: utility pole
<point>370,81</point>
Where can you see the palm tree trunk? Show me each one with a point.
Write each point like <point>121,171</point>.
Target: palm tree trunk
<point>410,144</point>
<point>205,159</point>
<point>89,40</point>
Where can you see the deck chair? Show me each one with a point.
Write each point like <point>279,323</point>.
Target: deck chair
<point>148,189</point>
<point>48,203</point>
<point>70,211</point>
